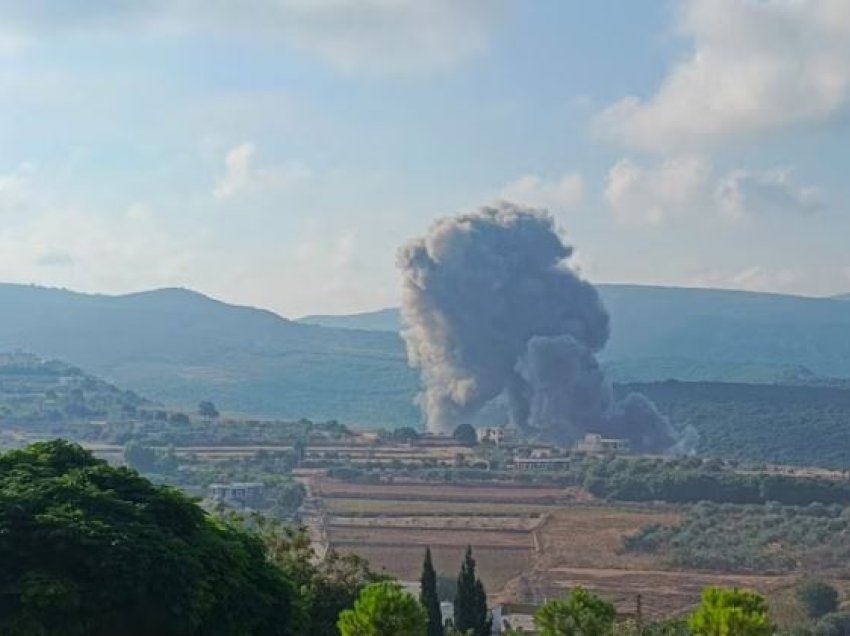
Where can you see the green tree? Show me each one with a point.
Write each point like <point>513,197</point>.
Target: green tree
<point>140,457</point>
<point>207,409</point>
<point>470,610</point>
<point>816,597</point>
<point>580,614</point>
<point>384,609</point>
<point>428,596</point>
<point>465,434</point>
<point>88,549</point>
<point>327,585</point>
<point>730,612</point>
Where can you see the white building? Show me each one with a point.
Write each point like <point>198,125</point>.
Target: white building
<point>238,494</point>
<point>496,435</point>
<point>595,444</point>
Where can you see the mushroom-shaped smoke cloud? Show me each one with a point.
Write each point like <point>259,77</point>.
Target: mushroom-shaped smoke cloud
<point>492,309</point>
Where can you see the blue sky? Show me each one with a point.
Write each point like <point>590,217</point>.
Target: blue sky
<point>277,152</point>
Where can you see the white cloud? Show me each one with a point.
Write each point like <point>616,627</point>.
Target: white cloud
<point>743,192</point>
<point>562,194</point>
<point>650,195</point>
<point>243,176</point>
<point>351,35</point>
<point>690,186</point>
<point>756,67</point>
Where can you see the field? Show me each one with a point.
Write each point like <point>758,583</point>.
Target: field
<point>529,543</point>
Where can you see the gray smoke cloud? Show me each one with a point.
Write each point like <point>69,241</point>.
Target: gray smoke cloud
<point>492,310</point>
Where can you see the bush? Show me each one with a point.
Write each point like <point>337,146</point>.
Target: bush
<point>816,597</point>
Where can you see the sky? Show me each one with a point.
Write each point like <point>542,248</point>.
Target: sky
<point>276,153</point>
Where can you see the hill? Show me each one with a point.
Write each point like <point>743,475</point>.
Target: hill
<point>180,347</point>
<point>381,320</point>
<point>659,333</point>
<point>803,425</point>
<point>49,391</point>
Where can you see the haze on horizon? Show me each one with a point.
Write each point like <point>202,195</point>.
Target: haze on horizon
<point>276,153</point>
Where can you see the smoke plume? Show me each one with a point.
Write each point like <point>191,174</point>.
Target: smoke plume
<point>492,310</point>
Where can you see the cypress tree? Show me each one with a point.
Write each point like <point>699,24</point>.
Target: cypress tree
<point>428,596</point>
<point>471,600</point>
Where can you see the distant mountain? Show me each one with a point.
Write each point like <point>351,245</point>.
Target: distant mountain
<point>381,320</point>
<point>180,347</point>
<point>842,297</point>
<point>705,334</point>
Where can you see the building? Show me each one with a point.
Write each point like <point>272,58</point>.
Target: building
<point>238,494</point>
<point>497,435</point>
<point>595,444</point>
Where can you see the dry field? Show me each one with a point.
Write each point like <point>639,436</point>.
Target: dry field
<point>530,543</point>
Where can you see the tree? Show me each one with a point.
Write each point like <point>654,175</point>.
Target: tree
<point>465,434</point>
<point>90,549</point>
<point>816,597</point>
<point>384,609</point>
<point>730,612</point>
<point>327,585</point>
<point>428,596</point>
<point>580,614</point>
<point>207,409</point>
<point>140,457</point>
<point>470,610</point>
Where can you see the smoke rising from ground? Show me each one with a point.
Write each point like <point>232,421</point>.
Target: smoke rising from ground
<point>491,309</point>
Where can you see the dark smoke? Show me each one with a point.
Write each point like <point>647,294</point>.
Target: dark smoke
<point>492,309</point>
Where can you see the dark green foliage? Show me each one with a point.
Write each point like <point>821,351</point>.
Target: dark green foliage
<point>91,550</point>
<point>470,610</point>
<point>207,409</point>
<point>404,434</point>
<point>750,538</point>
<point>690,480</point>
<point>805,425</point>
<point>326,585</point>
<point>465,434</point>
<point>837,624</point>
<point>429,597</point>
<point>816,597</point>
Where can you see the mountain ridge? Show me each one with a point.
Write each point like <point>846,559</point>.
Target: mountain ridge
<point>179,347</point>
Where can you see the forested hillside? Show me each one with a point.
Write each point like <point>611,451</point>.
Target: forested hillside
<point>784,424</point>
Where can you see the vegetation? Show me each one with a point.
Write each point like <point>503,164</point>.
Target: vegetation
<point>733,538</point>
<point>465,434</point>
<point>816,597</point>
<point>384,609</point>
<point>326,586</point>
<point>805,425</point>
<point>730,612</point>
<point>88,549</point>
<point>580,614</point>
<point>429,597</point>
<point>470,606</point>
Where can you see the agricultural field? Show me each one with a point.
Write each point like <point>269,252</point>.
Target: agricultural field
<point>530,543</point>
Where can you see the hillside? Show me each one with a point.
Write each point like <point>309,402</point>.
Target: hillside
<point>801,425</point>
<point>180,347</point>
<point>704,334</point>
<point>49,391</point>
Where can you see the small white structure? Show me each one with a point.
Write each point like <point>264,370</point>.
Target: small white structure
<point>595,444</point>
<point>496,435</point>
<point>238,494</point>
